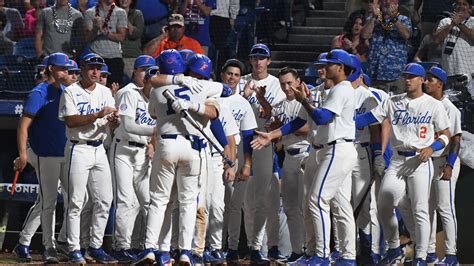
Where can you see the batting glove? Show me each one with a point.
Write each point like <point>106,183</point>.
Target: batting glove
<point>180,105</point>
<point>379,163</point>
<point>190,82</point>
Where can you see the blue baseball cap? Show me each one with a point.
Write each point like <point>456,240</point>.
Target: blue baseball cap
<point>144,61</point>
<point>438,73</point>
<point>92,59</point>
<point>186,54</point>
<point>367,80</point>
<point>339,56</point>
<point>105,70</point>
<point>260,49</point>
<point>170,62</point>
<point>200,64</point>
<point>72,66</point>
<point>44,63</point>
<point>58,59</point>
<point>321,59</point>
<point>357,68</point>
<point>152,71</point>
<point>414,69</point>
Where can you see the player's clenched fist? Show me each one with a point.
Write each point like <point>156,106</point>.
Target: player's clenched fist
<point>180,105</point>
<point>189,82</point>
<point>20,163</point>
<point>425,154</point>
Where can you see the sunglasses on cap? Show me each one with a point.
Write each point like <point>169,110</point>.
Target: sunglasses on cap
<point>151,72</point>
<point>95,60</point>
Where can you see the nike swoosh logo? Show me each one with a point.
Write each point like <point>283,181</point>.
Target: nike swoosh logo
<point>78,94</point>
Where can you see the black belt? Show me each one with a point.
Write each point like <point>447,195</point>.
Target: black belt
<point>297,151</point>
<point>94,143</point>
<point>134,144</point>
<point>196,142</point>
<point>331,143</point>
<point>406,153</point>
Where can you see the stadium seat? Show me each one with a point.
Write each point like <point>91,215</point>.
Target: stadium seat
<point>25,47</point>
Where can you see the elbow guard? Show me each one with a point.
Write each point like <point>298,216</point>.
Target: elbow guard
<point>218,131</point>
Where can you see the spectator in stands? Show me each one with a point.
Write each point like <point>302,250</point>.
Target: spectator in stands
<point>83,5</point>
<point>54,28</point>
<point>132,43</point>
<point>221,24</point>
<point>351,40</point>
<point>388,33</point>
<point>429,50</point>
<point>107,25</point>
<point>431,9</point>
<point>6,45</point>
<point>172,37</point>
<point>32,15</point>
<point>156,16</point>
<point>15,26</point>
<point>196,18</point>
<point>103,80</point>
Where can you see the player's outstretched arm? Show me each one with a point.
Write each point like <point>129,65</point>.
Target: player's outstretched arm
<point>162,80</point>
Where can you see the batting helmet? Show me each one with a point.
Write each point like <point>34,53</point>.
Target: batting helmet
<point>170,62</point>
<point>200,64</point>
<point>357,69</point>
<point>186,54</point>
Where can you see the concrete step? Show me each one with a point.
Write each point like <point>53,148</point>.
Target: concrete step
<point>327,13</point>
<point>317,30</point>
<point>310,39</point>
<point>316,48</point>
<point>334,5</point>
<point>302,56</point>
<point>321,22</point>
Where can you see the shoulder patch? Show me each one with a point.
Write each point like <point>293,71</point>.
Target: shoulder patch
<point>123,107</point>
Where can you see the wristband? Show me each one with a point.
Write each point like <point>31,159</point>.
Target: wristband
<point>170,79</point>
<point>437,145</point>
<point>198,108</point>
<point>452,157</point>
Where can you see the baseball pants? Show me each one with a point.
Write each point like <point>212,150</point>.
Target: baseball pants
<point>442,203</point>
<point>48,171</point>
<point>88,169</point>
<point>292,190</point>
<point>216,204</point>
<point>406,184</point>
<point>130,173</point>
<point>330,186</point>
<point>202,213</point>
<point>183,165</point>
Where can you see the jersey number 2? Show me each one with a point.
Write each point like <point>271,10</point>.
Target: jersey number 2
<point>422,132</point>
<point>180,93</point>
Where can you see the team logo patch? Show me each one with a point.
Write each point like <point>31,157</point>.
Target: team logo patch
<point>123,107</point>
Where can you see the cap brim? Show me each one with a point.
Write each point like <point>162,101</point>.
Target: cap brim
<point>105,72</point>
<point>331,61</point>
<point>412,73</point>
<point>259,54</point>
<point>145,65</point>
<point>176,23</point>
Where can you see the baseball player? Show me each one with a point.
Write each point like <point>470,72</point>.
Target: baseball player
<point>235,191</point>
<point>256,203</point>
<point>296,149</point>
<point>327,184</point>
<point>72,73</point>
<point>39,119</point>
<point>446,171</point>
<point>84,106</point>
<point>415,118</point>
<point>180,159</point>
<point>129,155</point>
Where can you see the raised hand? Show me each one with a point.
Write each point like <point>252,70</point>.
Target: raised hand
<point>262,140</point>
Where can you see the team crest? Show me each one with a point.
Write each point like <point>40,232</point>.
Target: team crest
<point>123,107</point>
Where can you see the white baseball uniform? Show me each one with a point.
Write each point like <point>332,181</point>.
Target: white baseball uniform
<point>257,200</point>
<point>130,163</point>
<point>180,159</point>
<point>442,192</point>
<point>327,184</point>
<point>407,181</point>
<point>292,189</point>
<point>235,191</point>
<point>86,160</point>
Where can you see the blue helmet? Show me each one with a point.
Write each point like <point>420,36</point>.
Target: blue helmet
<point>200,64</point>
<point>170,62</point>
<point>357,69</point>
<point>186,54</point>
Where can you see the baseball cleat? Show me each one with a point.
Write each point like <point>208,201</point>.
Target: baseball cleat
<point>146,257</point>
<point>63,252</point>
<point>22,253</point>
<point>186,258</point>
<point>100,256</point>
<point>50,256</point>
<point>87,257</point>
<point>163,258</point>
<point>294,257</point>
<point>76,257</point>
<point>431,258</point>
<point>123,256</point>
<point>232,256</point>
<point>318,261</point>
<point>275,256</point>
<point>450,260</point>
<point>218,256</point>
<point>345,262</point>
<point>393,256</point>
<point>419,262</point>
<point>207,258</point>
<point>257,257</point>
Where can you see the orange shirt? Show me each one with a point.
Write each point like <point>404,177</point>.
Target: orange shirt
<point>184,43</point>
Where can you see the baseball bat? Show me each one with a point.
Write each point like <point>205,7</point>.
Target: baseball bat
<point>15,180</point>
<point>170,97</point>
